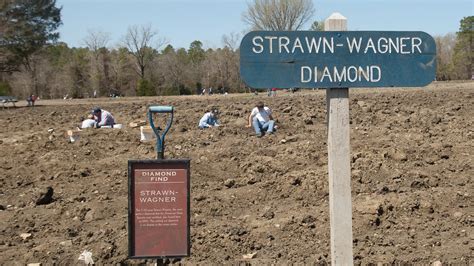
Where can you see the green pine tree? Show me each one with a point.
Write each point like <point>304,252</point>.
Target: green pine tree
<point>464,49</point>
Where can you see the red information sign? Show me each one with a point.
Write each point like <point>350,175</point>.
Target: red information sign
<point>159,208</point>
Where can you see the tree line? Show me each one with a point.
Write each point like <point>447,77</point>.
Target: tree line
<point>33,62</point>
<point>61,71</point>
<point>455,52</point>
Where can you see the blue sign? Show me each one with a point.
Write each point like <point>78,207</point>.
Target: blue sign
<point>337,59</point>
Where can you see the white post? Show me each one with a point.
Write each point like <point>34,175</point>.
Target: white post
<point>340,204</point>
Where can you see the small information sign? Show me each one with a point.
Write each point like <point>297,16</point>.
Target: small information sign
<point>159,208</point>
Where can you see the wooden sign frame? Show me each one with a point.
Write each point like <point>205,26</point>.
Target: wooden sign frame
<point>337,59</point>
<point>159,215</point>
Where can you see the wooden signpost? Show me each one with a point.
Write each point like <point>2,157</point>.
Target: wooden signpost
<point>337,59</point>
<point>339,167</point>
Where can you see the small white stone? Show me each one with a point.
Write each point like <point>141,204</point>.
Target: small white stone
<point>67,243</point>
<point>25,236</point>
<point>250,255</point>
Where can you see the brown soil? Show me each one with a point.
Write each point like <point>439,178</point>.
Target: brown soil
<point>412,178</point>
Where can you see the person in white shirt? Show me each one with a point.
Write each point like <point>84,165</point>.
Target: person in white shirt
<point>103,117</point>
<point>261,119</point>
<point>209,119</point>
<point>89,122</point>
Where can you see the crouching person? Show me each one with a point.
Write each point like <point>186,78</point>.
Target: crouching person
<point>103,118</point>
<point>261,119</point>
<point>209,119</point>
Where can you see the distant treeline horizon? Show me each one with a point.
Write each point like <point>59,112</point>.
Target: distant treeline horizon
<point>144,64</point>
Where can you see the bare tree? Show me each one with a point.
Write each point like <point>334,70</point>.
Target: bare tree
<point>278,14</point>
<point>173,71</point>
<point>231,41</point>
<point>97,41</point>
<point>444,56</point>
<point>122,78</point>
<point>143,42</point>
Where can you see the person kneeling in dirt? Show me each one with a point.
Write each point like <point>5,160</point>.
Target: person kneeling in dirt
<point>261,119</point>
<point>209,119</point>
<point>103,118</point>
<point>31,100</point>
<point>88,122</point>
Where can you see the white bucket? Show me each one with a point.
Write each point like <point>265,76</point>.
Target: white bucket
<point>117,126</point>
<point>146,134</point>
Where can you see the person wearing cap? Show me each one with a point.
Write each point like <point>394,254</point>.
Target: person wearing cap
<point>261,119</point>
<point>209,119</point>
<point>103,117</point>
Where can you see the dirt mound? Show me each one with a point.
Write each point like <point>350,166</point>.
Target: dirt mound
<point>412,168</point>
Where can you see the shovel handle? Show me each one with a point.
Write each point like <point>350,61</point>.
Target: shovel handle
<point>160,138</point>
<point>160,109</point>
